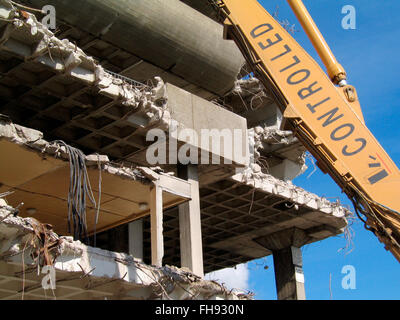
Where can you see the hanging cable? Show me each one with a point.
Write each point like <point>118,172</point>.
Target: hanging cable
<point>79,190</point>
<point>98,201</point>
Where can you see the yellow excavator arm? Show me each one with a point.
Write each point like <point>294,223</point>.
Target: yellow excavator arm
<point>323,111</point>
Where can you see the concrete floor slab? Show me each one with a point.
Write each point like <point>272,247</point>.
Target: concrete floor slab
<point>86,273</point>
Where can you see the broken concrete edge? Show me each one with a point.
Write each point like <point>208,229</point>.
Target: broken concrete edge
<point>253,177</point>
<point>64,57</point>
<point>250,91</point>
<point>33,140</point>
<point>248,87</point>
<point>18,239</point>
<point>268,139</point>
<point>252,88</point>
<point>272,135</point>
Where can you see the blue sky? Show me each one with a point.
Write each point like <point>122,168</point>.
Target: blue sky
<point>370,56</point>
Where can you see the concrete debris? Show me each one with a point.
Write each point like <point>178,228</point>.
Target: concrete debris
<point>96,159</point>
<point>278,151</point>
<point>19,235</point>
<point>156,109</point>
<point>250,87</point>
<point>21,135</point>
<point>271,135</point>
<point>66,58</point>
<point>253,176</point>
<point>269,141</point>
<point>120,275</point>
<point>148,173</point>
<point>249,96</point>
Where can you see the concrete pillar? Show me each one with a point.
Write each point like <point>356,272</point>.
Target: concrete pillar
<point>190,224</point>
<point>156,224</point>
<point>289,276</point>
<point>288,263</point>
<point>135,230</point>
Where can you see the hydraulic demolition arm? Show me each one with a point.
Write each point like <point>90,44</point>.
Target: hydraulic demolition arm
<point>323,112</point>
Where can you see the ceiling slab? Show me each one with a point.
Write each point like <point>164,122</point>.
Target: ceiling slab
<point>44,192</point>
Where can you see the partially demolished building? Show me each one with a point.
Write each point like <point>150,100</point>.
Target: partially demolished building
<point>78,190</point>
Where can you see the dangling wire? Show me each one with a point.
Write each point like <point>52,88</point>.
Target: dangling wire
<point>98,201</point>
<point>79,189</point>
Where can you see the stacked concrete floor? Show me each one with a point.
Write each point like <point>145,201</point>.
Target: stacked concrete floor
<point>100,87</point>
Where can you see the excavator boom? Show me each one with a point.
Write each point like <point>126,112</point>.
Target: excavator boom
<point>323,111</point>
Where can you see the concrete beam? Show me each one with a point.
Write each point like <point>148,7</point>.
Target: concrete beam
<point>206,130</point>
<point>190,225</point>
<point>175,186</point>
<point>284,239</point>
<point>187,111</point>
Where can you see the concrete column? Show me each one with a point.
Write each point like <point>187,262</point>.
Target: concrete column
<point>135,230</point>
<point>156,223</point>
<point>288,263</point>
<point>190,224</point>
<point>289,276</point>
